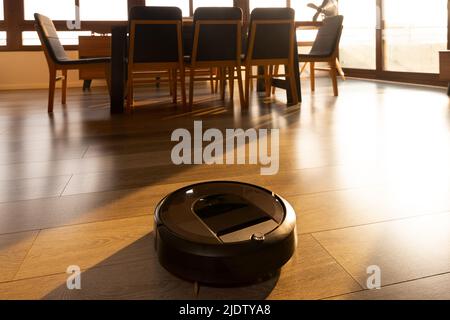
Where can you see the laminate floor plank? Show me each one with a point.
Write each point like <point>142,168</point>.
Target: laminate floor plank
<point>403,250</point>
<point>430,288</point>
<point>13,250</point>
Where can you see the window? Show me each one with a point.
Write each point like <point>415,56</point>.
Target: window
<point>2,38</point>
<point>104,10</point>
<point>358,41</point>
<point>413,34</point>
<point>182,4</point>
<point>212,3</point>
<point>2,15</point>
<point>31,38</point>
<point>302,11</point>
<point>267,4</point>
<point>54,9</point>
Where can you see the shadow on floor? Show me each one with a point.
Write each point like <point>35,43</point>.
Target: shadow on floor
<point>134,273</point>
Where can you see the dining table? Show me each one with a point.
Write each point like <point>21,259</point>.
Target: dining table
<point>119,45</point>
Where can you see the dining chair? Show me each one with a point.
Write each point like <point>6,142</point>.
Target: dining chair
<point>58,60</point>
<point>325,49</point>
<point>209,74</point>
<point>156,44</point>
<point>271,41</point>
<point>217,44</point>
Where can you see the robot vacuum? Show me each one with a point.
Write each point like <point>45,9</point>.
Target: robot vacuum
<point>224,233</point>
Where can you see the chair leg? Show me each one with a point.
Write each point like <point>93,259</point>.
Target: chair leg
<point>223,79</point>
<point>130,94</point>
<point>339,69</point>
<point>266,80</point>
<point>333,75</point>
<point>251,79</point>
<point>216,82</point>
<point>231,81</point>
<point>304,67</point>
<point>211,79</point>
<point>64,87</point>
<point>248,73</point>
<point>170,76</point>
<point>293,85</point>
<point>173,83</point>
<point>191,88</point>
<point>312,76</point>
<point>183,87</point>
<point>108,76</point>
<point>51,89</point>
<point>241,89</point>
<point>275,73</point>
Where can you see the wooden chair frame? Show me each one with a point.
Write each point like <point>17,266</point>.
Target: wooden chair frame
<point>226,68</point>
<point>333,64</point>
<point>54,67</point>
<point>174,68</point>
<point>249,62</point>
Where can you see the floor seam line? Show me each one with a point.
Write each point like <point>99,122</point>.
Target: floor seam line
<point>65,187</point>
<point>393,284</point>
<point>79,224</point>
<point>334,258</point>
<point>26,255</point>
<point>380,222</point>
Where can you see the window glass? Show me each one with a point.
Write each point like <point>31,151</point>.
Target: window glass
<point>358,41</point>
<point>2,38</point>
<point>104,10</point>
<point>182,4</point>
<point>54,9</point>
<point>212,3</point>
<point>2,15</point>
<point>302,11</point>
<point>267,4</point>
<point>413,35</point>
<point>31,38</point>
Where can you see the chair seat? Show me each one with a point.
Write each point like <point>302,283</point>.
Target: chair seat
<point>187,59</point>
<point>307,56</point>
<point>77,62</point>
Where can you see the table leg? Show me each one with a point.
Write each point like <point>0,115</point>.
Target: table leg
<point>87,84</point>
<point>284,84</point>
<point>118,67</point>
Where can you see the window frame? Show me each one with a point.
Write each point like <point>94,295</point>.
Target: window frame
<point>15,23</point>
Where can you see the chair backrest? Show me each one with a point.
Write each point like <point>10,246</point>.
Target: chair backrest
<point>327,39</point>
<point>188,39</point>
<point>271,34</point>
<point>217,34</point>
<point>155,34</point>
<point>49,39</point>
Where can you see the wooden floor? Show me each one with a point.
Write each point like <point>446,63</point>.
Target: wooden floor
<point>368,174</point>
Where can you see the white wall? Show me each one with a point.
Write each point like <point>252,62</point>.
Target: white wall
<point>28,70</point>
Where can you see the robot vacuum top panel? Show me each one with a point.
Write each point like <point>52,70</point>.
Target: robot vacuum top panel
<point>221,212</point>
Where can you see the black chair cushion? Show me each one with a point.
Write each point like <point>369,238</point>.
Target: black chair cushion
<point>47,32</point>
<point>155,42</point>
<point>86,61</point>
<point>217,42</point>
<point>271,41</point>
<point>327,38</point>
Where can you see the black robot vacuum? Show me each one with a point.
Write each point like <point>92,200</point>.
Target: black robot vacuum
<point>224,233</point>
